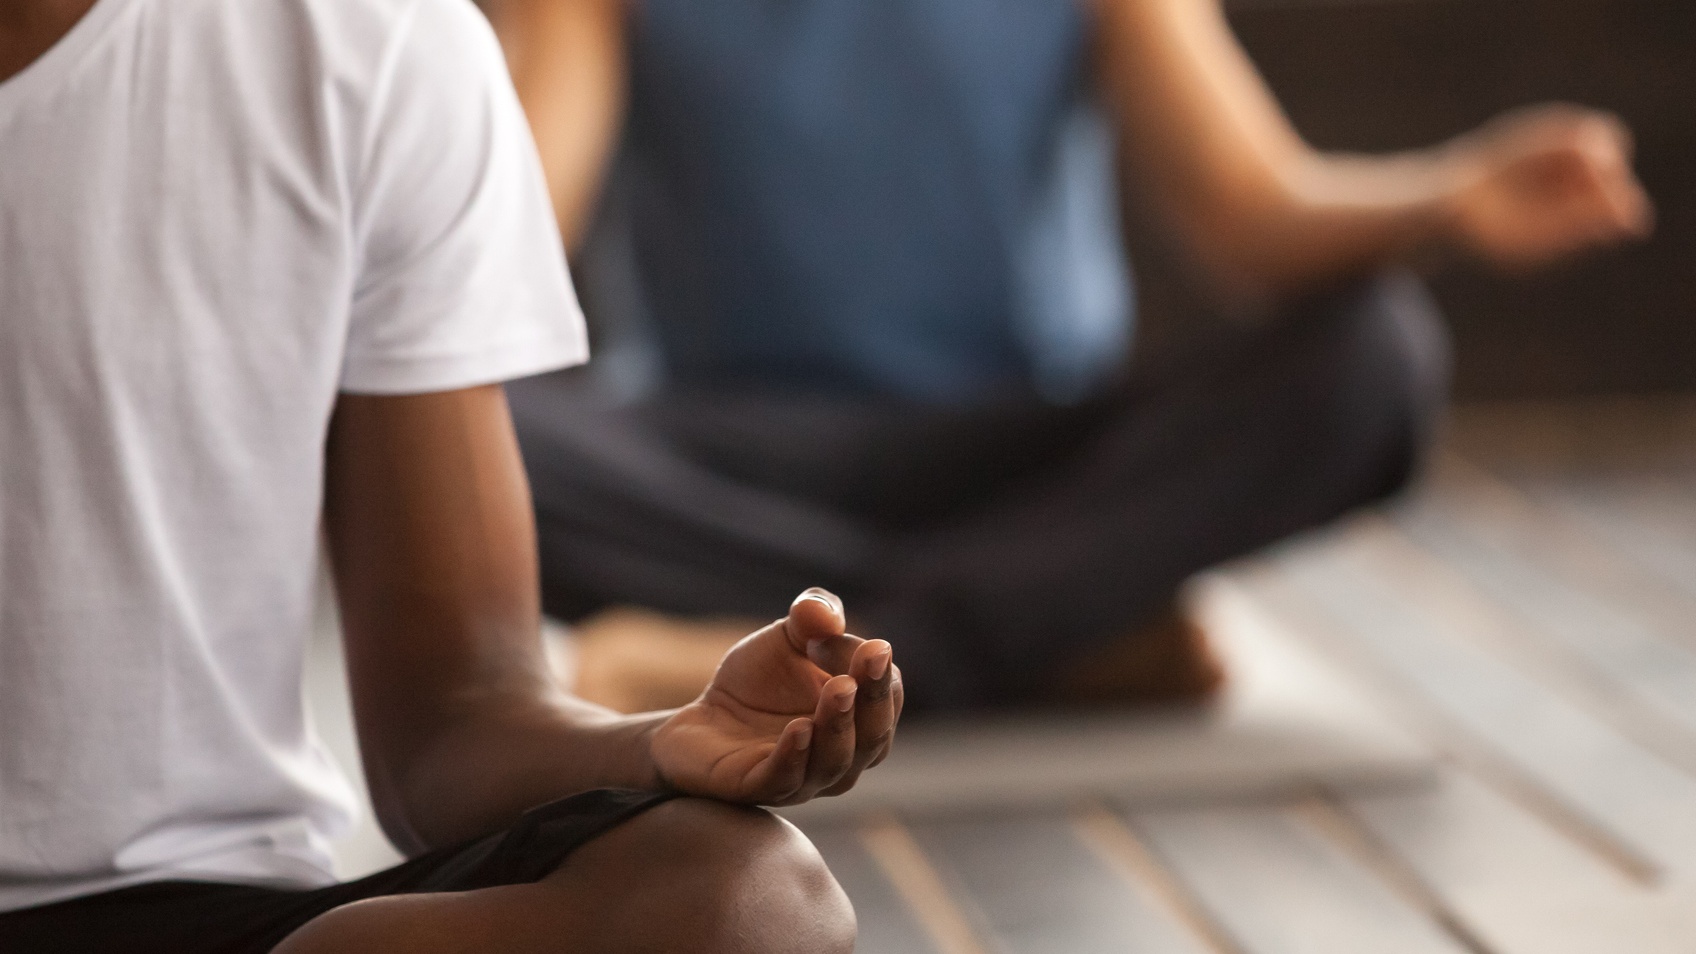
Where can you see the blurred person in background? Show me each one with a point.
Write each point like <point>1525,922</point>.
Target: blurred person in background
<point>870,258</point>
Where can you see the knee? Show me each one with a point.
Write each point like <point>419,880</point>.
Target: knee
<point>708,877</point>
<point>690,875</point>
<point>1404,330</point>
<point>1381,372</point>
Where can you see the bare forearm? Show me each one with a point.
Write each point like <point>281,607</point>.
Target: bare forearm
<point>479,773</point>
<point>567,62</point>
<point>461,723</point>
<point>1327,217</point>
<point>1266,212</point>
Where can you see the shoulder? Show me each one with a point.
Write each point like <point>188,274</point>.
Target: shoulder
<point>353,47</point>
<point>450,39</point>
<point>346,49</point>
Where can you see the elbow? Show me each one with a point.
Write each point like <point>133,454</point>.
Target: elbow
<point>394,813</point>
<point>1268,240</point>
<point>403,777</point>
<point>1238,266</point>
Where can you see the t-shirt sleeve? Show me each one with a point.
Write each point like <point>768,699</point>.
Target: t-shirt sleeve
<point>461,274</point>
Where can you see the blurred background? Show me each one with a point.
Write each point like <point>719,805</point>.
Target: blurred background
<point>1529,614</point>
<point>1392,74</point>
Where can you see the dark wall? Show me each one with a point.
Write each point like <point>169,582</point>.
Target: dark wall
<point>1386,74</point>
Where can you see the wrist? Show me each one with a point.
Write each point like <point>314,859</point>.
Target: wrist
<point>1458,169</point>
<point>643,771</point>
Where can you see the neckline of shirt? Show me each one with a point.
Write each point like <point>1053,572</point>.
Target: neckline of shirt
<point>62,56</point>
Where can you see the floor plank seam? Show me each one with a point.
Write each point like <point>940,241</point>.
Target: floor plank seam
<point>920,885</point>
<point>1607,561</point>
<point>1115,840</point>
<point>1454,740</point>
<point>1327,816</point>
<point>1568,821</point>
<point>1556,667</point>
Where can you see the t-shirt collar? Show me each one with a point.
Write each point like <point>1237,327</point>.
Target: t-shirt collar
<point>62,56</point>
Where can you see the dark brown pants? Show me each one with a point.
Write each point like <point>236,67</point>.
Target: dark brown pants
<point>994,542</point>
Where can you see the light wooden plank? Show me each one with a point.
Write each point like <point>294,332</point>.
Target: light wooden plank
<point>887,925</point>
<point>1279,888</point>
<point>1034,888</point>
<point>1575,529</point>
<point>1557,581</point>
<point>1270,585</point>
<point>1643,802</point>
<point>1109,835</point>
<point>1625,466</point>
<point>1518,884</point>
<point>1602,678</point>
<point>928,897</point>
<point>1650,520</point>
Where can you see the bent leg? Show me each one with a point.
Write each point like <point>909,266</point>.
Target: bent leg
<point>625,515</point>
<point>1328,410</point>
<point>690,875</point>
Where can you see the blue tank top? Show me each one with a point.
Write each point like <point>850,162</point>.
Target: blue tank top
<point>899,197</point>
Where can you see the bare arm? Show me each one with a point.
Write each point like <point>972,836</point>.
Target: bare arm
<point>1270,215</point>
<point>461,726</point>
<point>430,533</point>
<point>567,61</point>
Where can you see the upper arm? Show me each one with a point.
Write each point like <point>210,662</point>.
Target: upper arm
<point>460,281</point>
<point>429,525</point>
<point>1200,125</point>
<point>460,273</point>
<point>568,62</point>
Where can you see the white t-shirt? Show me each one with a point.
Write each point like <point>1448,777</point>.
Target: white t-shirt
<point>215,215</point>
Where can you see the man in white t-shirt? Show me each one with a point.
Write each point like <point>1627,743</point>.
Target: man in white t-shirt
<point>262,267</point>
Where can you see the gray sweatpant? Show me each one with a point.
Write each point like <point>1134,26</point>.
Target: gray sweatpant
<point>990,544</point>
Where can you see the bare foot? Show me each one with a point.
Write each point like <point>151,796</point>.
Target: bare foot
<point>638,660</point>
<point>1168,661</point>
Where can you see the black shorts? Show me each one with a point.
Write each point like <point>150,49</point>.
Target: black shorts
<point>196,917</point>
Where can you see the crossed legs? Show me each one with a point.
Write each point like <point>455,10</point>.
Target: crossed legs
<point>1000,547</point>
<point>688,876</point>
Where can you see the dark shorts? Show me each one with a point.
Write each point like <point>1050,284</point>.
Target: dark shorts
<point>191,917</point>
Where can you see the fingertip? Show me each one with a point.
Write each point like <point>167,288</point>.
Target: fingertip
<point>879,658</point>
<point>839,693</point>
<point>1630,212</point>
<point>813,616</point>
<point>1616,128</point>
<point>1642,213</point>
<point>819,595</point>
<point>800,732</point>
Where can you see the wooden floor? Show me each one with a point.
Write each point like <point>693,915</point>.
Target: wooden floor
<point>1531,612</point>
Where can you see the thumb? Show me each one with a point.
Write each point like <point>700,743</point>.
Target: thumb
<point>815,615</point>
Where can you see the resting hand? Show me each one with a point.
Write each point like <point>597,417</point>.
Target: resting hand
<point>1543,183</point>
<point>796,710</point>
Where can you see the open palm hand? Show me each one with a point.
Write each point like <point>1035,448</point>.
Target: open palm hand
<point>796,710</point>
